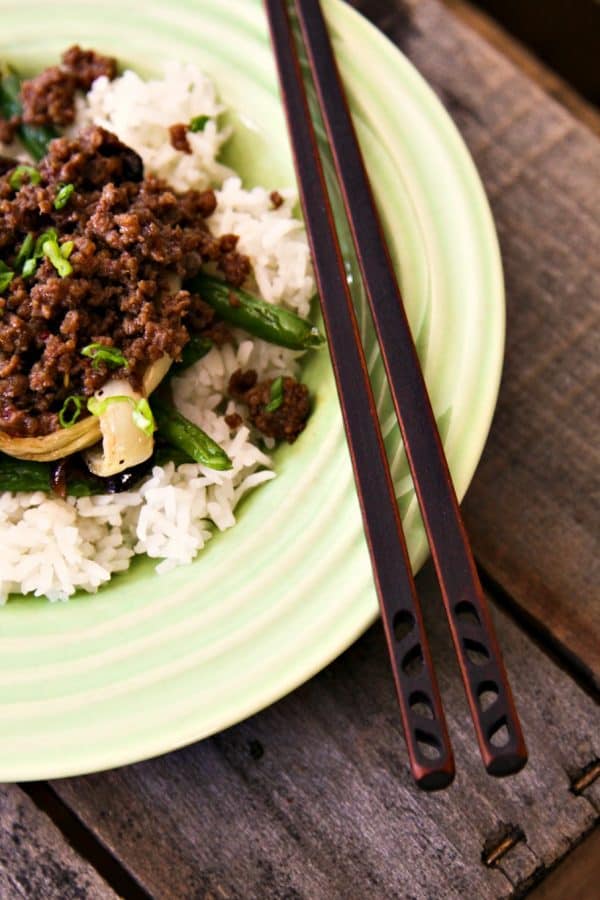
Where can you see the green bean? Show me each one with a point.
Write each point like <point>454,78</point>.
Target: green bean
<point>21,475</point>
<point>195,349</point>
<point>35,138</point>
<point>261,319</point>
<point>24,475</point>
<point>175,429</point>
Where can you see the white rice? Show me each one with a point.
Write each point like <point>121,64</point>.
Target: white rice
<point>53,547</point>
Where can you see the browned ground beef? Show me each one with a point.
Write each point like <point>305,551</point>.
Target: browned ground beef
<point>287,421</point>
<point>87,65</point>
<point>131,235</point>
<point>179,138</point>
<point>8,129</point>
<point>49,98</point>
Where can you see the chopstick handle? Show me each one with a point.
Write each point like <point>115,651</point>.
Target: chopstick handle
<point>423,718</point>
<point>486,684</point>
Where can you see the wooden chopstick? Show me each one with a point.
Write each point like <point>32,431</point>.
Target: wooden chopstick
<point>497,726</point>
<point>416,685</point>
<point>468,614</point>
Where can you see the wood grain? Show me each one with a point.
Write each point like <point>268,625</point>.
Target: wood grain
<point>533,510</point>
<point>537,71</point>
<point>577,877</point>
<point>313,799</point>
<point>35,860</point>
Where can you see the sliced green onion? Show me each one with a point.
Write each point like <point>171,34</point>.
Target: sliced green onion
<point>68,418</point>
<point>6,276</point>
<point>97,407</point>
<point>25,252</point>
<point>63,195</point>
<point>141,415</point>
<point>100,353</point>
<point>50,235</point>
<point>16,178</point>
<point>53,252</point>
<point>276,395</point>
<point>143,418</point>
<point>29,267</point>
<point>198,123</point>
<point>66,249</point>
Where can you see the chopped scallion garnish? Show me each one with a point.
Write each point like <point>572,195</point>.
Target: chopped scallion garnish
<point>63,195</point>
<point>66,249</point>
<point>67,417</point>
<point>143,418</point>
<point>6,276</point>
<point>198,123</point>
<point>276,396</point>
<point>97,407</point>
<point>53,252</point>
<point>100,353</point>
<point>25,252</point>
<point>19,174</point>
<point>29,267</point>
<point>141,414</point>
<point>50,235</point>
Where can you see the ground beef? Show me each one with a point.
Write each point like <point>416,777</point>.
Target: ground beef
<point>134,241</point>
<point>8,130</point>
<point>284,423</point>
<point>49,98</point>
<point>234,420</point>
<point>87,65</point>
<point>179,138</point>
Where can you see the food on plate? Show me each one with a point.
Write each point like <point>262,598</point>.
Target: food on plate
<point>153,313</point>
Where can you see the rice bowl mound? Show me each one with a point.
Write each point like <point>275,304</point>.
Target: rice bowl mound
<point>54,547</point>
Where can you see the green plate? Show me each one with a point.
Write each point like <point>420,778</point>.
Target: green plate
<point>152,663</point>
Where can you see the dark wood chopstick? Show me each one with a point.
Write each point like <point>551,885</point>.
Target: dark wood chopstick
<point>423,718</point>
<point>497,725</point>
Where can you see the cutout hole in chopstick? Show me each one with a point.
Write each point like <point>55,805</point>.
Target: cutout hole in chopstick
<point>476,652</point>
<point>428,744</point>
<point>466,612</point>
<point>487,694</point>
<point>404,622</point>
<point>421,704</point>
<point>499,735</point>
<point>413,661</point>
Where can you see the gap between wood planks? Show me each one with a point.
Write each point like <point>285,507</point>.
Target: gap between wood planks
<point>512,48</point>
<point>84,841</point>
<point>543,637</point>
<point>574,875</point>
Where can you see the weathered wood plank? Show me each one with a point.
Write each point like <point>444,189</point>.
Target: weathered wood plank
<point>36,861</point>
<point>312,798</point>
<point>532,510</point>
<point>577,877</point>
<point>536,70</point>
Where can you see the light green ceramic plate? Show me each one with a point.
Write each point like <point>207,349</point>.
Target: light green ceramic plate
<point>150,663</point>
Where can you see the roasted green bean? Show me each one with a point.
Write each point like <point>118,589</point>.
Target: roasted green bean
<point>175,429</point>
<point>261,319</point>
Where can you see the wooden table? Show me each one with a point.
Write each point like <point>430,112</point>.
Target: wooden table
<point>312,798</point>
